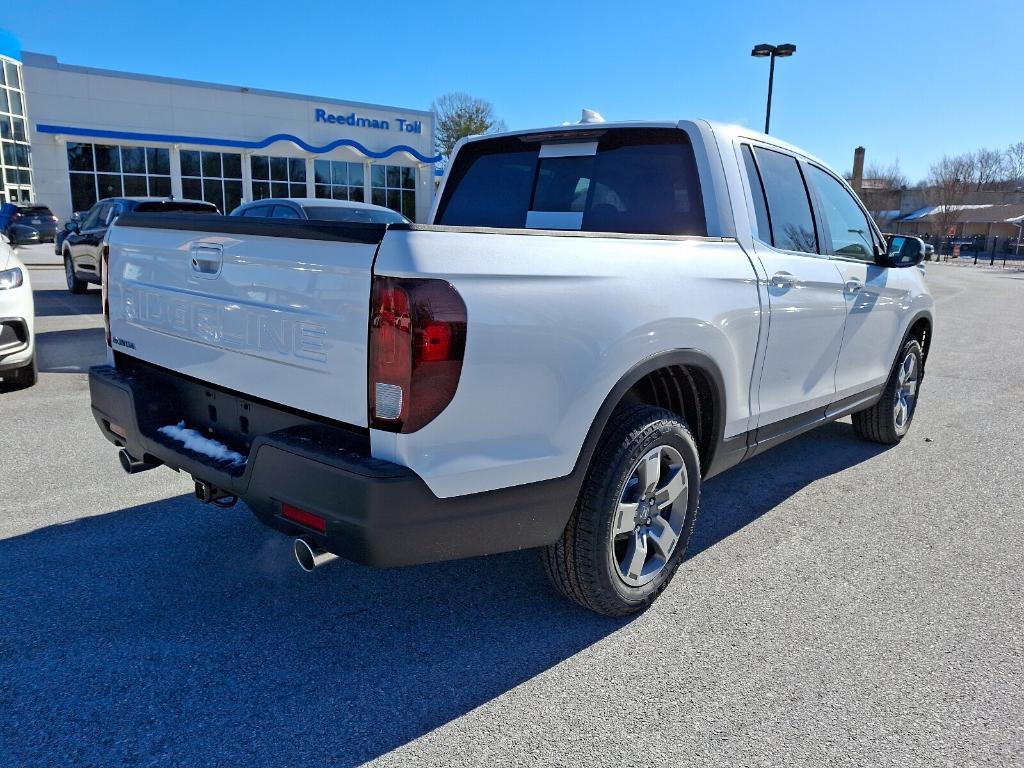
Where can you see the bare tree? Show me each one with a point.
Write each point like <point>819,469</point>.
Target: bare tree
<point>1015,163</point>
<point>988,168</point>
<point>457,115</point>
<point>886,176</point>
<point>948,182</point>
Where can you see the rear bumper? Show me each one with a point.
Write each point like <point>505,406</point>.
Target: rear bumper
<point>377,513</point>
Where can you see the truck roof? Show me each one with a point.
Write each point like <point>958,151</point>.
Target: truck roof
<point>725,130</point>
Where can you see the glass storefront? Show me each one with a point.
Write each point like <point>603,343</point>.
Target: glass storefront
<point>104,170</point>
<point>15,156</point>
<point>339,180</point>
<point>394,186</point>
<point>277,176</point>
<point>215,177</point>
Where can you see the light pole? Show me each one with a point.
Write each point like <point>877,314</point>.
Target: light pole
<point>762,50</point>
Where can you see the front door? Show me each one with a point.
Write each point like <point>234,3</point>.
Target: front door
<point>877,298</point>
<point>807,309</point>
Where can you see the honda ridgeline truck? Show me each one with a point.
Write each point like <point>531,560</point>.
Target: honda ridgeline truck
<point>598,318</point>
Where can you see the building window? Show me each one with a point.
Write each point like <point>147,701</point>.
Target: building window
<point>215,177</point>
<point>277,176</point>
<point>338,180</point>
<point>15,156</point>
<point>394,186</point>
<point>106,170</point>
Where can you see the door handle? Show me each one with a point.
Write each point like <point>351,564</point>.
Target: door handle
<point>207,259</point>
<point>783,280</point>
<point>854,285</point>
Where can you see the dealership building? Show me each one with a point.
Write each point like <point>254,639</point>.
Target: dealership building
<point>72,135</point>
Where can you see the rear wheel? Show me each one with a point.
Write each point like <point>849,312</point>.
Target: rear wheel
<point>74,284</point>
<point>631,525</point>
<point>888,420</point>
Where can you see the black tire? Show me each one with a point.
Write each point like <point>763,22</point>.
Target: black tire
<point>74,284</point>
<point>20,378</point>
<point>583,564</point>
<point>880,423</point>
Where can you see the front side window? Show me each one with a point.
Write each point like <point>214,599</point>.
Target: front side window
<point>789,207</point>
<point>846,222</point>
<point>635,180</point>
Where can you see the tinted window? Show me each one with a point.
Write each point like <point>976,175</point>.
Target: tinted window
<point>846,222</point>
<point>639,181</point>
<point>792,223</point>
<point>365,215</point>
<point>764,229</point>
<point>285,212</point>
<point>257,210</point>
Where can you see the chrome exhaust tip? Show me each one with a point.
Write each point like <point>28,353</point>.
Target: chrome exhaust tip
<point>311,555</point>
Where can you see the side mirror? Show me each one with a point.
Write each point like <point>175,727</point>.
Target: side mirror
<point>71,225</point>
<point>902,251</point>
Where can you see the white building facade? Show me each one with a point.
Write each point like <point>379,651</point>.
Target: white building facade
<point>97,133</point>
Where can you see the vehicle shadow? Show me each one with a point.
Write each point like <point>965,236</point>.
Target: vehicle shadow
<point>61,303</point>
<point>741,495</point>
<point>175,633</point>
<point>70,351</point>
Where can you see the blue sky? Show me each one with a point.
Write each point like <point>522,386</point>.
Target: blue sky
<point>908,80</point>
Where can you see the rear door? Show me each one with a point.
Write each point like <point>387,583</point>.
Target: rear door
<point>273,310</point>
<point>807,309</point>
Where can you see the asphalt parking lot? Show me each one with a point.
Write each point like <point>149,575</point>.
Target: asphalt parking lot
<point>842,604</point>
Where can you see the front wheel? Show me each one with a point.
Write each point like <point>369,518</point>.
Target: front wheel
<point>888,420</point>
<point>630,528</point>
<point>20,378</point>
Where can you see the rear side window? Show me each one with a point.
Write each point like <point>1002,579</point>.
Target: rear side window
<point>789,207</point>
<point>764,228</point>
<point>641,181</point>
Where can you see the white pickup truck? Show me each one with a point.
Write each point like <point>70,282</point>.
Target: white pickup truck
<point>599,318</point>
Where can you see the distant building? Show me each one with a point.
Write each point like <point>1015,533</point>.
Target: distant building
<point>72,135</point>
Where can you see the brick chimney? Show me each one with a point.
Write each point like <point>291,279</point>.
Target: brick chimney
<point>857,182</point>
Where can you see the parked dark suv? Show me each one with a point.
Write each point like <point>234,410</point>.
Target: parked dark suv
<point>81,248</point>
<point>39,217</point>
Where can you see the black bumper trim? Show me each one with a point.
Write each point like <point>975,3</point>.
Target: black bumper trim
<point>378,513</point>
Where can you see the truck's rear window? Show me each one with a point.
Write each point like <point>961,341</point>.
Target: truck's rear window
<point>635,180</point>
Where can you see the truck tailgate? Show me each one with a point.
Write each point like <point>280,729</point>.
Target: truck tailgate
<point>271,309</point>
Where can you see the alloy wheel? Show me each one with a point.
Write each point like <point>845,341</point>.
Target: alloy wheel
<point>649,517</point>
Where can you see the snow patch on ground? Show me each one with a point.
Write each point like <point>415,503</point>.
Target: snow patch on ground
<point>204,445</point>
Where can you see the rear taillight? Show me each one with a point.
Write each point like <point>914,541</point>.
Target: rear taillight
<point>416,346</point>
<point>104,292</point>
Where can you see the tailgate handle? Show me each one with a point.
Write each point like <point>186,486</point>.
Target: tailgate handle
<point>207,259</point>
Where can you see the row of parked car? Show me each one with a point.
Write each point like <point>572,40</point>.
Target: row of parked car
<point>79,242</point>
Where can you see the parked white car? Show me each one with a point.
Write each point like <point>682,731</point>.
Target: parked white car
<point>599,318</point>
<point>17,318</point>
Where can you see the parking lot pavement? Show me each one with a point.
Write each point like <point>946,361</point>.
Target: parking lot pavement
<point>842,604</point>
<point>41,254</point>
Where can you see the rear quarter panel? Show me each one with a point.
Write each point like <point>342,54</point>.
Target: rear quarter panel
<point>553,323</point>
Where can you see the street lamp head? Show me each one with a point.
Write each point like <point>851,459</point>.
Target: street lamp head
<point>786,49</point>
<point>762,50</point>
